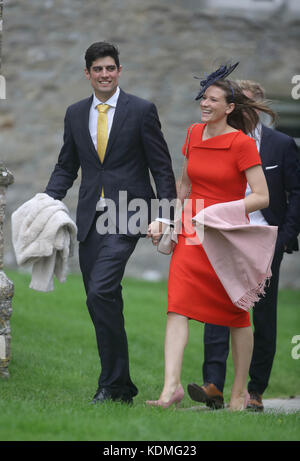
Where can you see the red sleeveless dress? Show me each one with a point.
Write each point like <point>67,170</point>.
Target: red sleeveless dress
<point>216,168</point>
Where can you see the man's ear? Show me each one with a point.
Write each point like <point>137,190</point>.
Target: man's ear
<point>87,74</point>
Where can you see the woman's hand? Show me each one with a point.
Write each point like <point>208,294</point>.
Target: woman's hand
<point>155,230</point>
<point>173,245</point>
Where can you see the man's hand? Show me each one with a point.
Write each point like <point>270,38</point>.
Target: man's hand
<point>155,230</point>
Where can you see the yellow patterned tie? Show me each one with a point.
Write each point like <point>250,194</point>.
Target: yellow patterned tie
<point>102,133</point>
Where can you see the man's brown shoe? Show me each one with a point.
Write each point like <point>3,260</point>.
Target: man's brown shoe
<point>208,394</point>
<point>255,402</point>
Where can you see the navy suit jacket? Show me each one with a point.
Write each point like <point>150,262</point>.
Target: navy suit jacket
<point>135,146</point>
<point>281,165</point>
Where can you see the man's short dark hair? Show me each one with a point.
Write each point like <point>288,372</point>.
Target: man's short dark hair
<point>101,50</point>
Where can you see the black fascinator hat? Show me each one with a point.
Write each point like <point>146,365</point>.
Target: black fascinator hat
<point>222,72</point>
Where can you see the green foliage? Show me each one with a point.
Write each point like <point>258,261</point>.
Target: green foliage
<point>55,367</point>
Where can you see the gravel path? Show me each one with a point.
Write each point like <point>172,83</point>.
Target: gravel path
<point>288,405</point>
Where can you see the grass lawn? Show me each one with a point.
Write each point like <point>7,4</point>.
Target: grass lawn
<point>55,367</point>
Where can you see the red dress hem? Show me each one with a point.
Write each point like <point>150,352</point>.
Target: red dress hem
<point>212,320</point>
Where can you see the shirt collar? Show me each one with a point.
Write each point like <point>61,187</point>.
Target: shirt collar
<point>257,131</point>
<point>112,101</point>
<point>258,128</point>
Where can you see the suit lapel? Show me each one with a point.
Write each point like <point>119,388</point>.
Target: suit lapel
<point>85,126</point>
<point>119,118</point>
<point>264,144</point>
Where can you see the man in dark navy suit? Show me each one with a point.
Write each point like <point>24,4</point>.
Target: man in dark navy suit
<point>116,139</point>
<point>280,161</point>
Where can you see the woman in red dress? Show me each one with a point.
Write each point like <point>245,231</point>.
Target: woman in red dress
<point>221,160</point>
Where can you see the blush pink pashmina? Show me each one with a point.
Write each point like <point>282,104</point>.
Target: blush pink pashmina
<point>240,253</point>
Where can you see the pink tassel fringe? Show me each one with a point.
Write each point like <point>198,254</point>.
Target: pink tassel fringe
<point>247,301</point>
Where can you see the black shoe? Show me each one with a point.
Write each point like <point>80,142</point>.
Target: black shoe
<point>104,395</point>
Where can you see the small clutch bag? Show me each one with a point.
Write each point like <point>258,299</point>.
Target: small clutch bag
<point>165,243</point>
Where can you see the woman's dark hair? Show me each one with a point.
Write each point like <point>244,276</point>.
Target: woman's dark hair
<point>101,50</point>
<point>244,116</point>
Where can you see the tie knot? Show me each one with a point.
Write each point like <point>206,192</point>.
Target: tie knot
<point>103,108</point>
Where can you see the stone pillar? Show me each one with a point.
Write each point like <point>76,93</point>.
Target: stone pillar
<point>6,285</point>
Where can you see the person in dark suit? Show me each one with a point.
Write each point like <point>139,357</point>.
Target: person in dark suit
<point>280,161</point>
<point>116,139</point>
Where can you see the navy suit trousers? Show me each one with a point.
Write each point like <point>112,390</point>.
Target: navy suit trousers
<point>103,260</point>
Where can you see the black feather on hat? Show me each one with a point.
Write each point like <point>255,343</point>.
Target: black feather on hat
<point>218,74</point>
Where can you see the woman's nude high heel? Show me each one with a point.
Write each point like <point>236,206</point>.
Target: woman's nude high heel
<point>176,399</point>
<point>241,403</point>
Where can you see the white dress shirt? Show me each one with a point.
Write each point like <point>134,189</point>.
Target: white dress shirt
<point>93,121</point>
<point>256,217</point>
